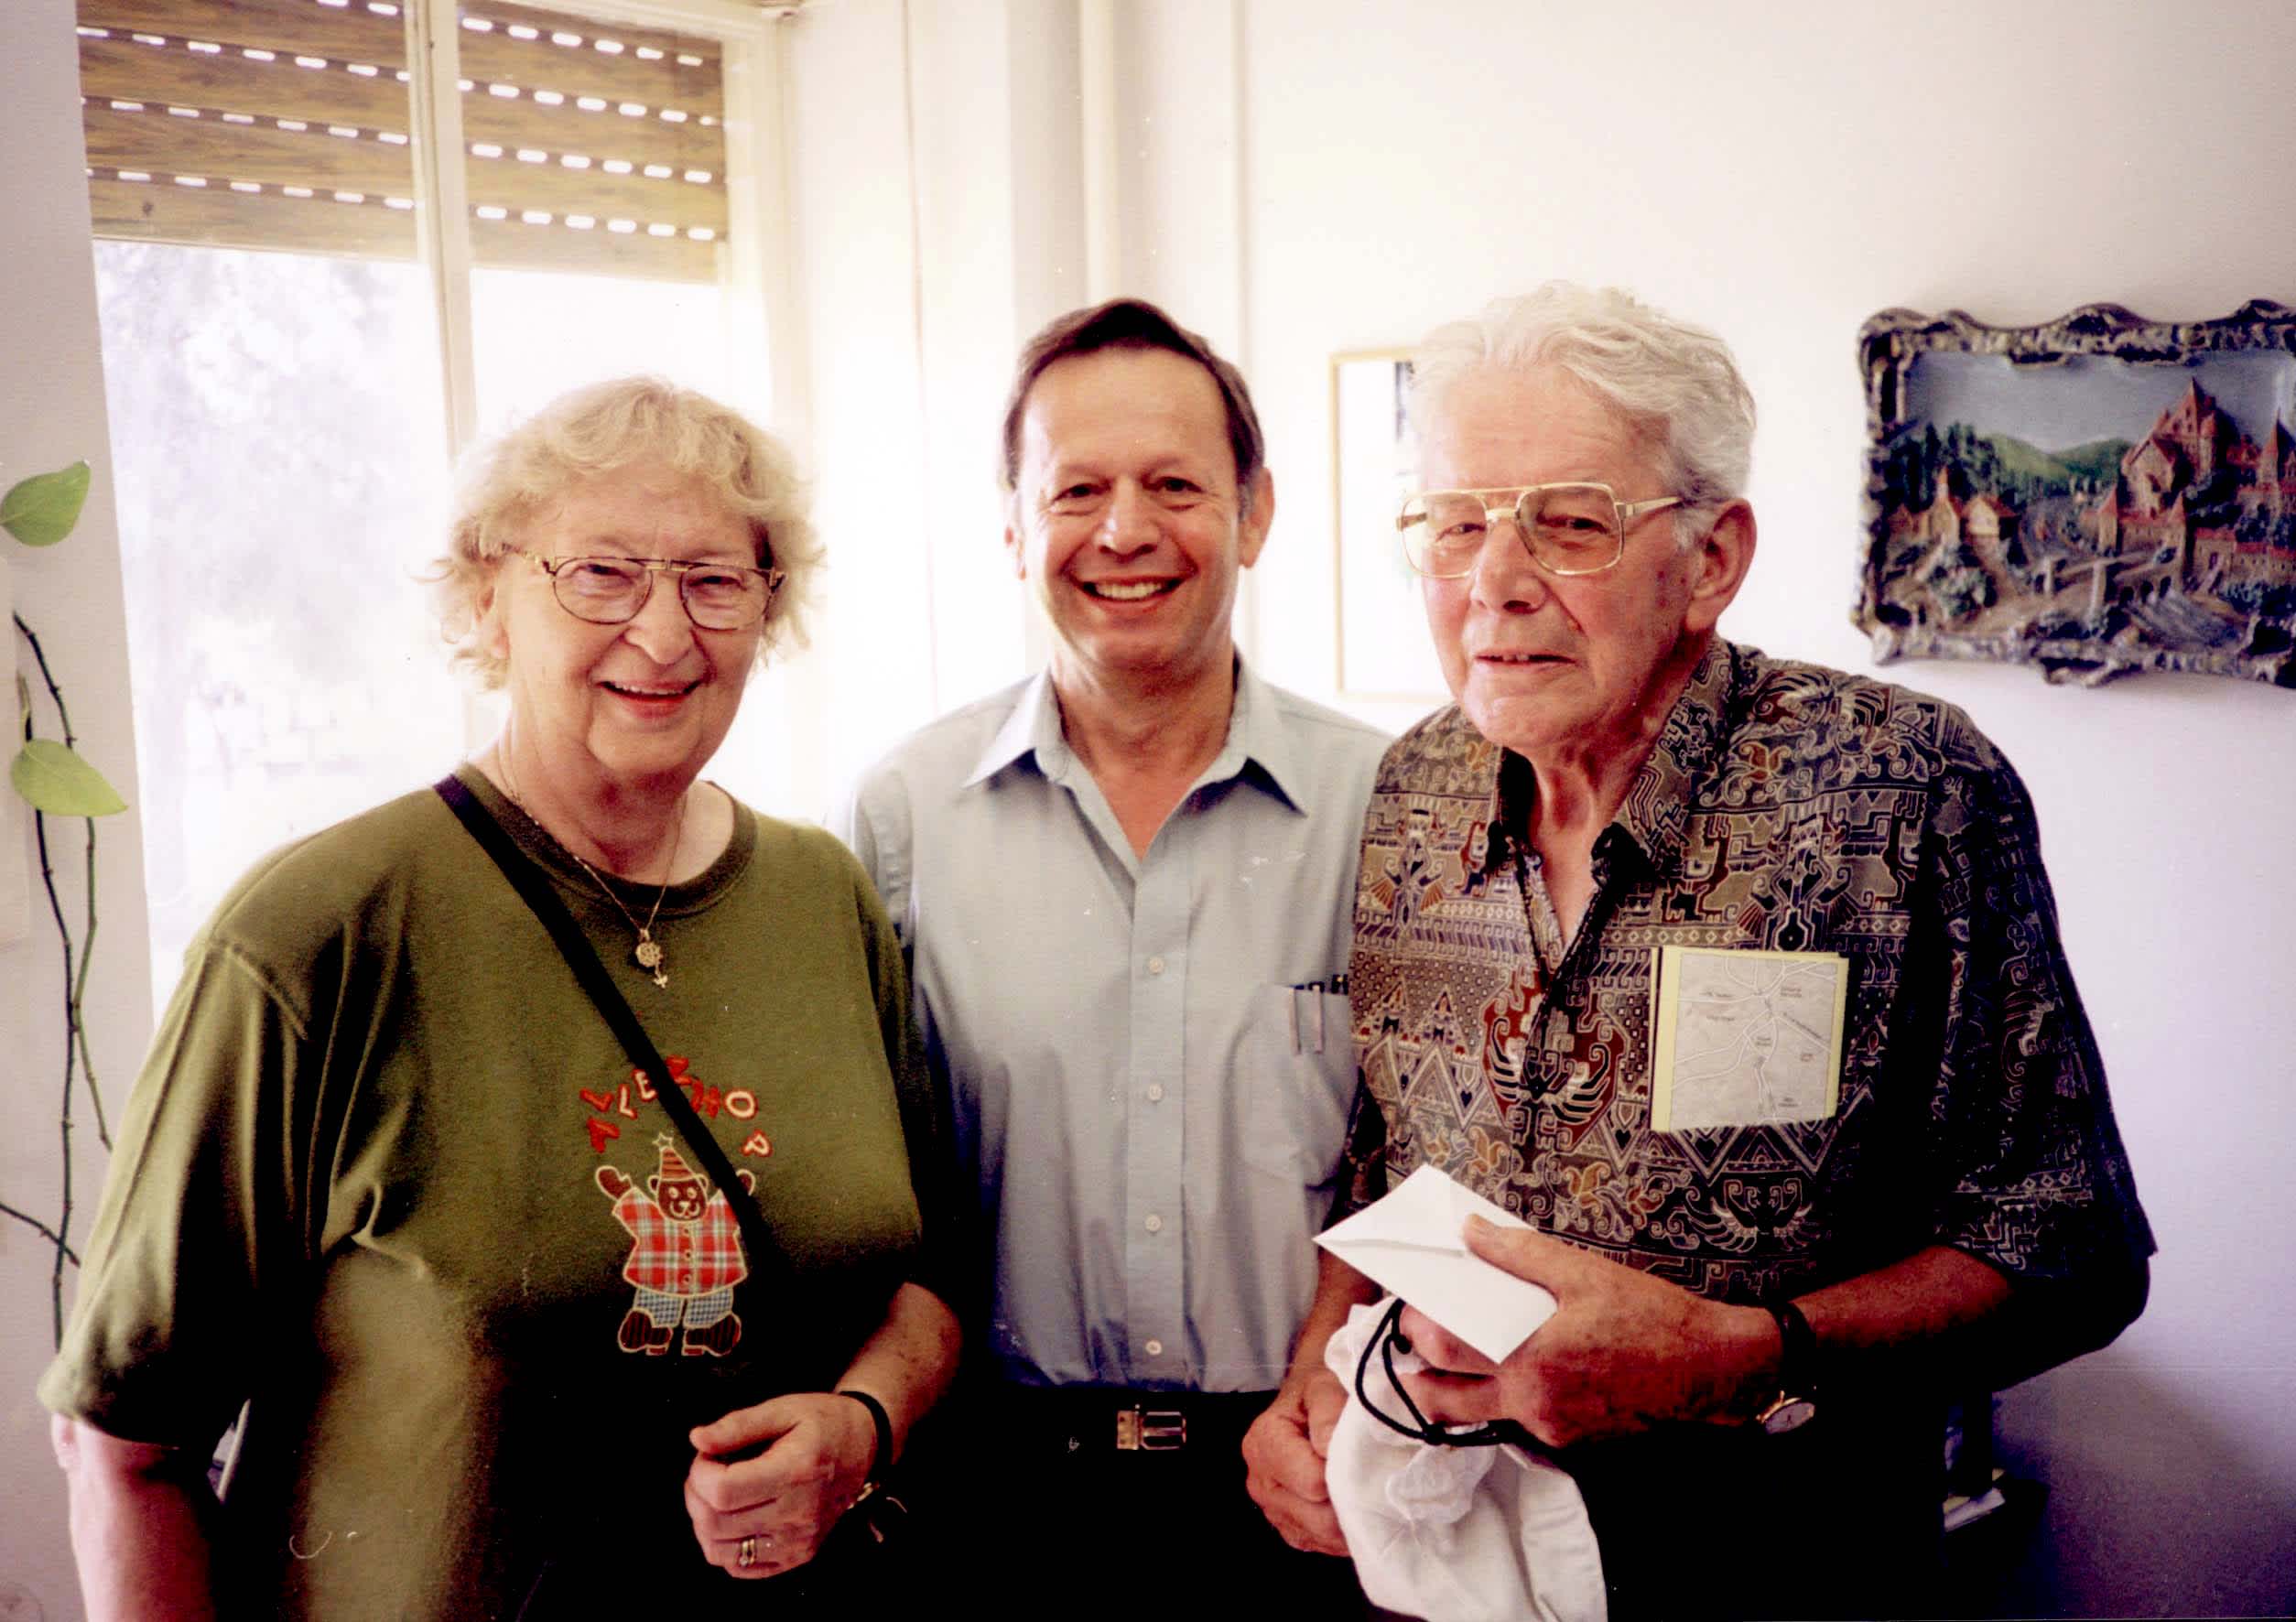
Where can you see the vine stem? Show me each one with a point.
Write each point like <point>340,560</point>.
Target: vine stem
<point>75,989</point>
<point>63,1117</point>
<point>40,1227</point>
<point>79,1035</point>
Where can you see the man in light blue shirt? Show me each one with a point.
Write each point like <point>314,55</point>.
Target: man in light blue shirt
<point>1125,886</point>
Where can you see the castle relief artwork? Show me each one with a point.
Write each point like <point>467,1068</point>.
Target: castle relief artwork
<point>2097,496</point>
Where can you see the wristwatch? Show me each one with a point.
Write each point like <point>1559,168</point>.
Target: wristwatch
<point>884,1460</point>
<point>1796,1404</point>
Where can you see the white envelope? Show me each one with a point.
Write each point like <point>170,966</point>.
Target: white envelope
<point>1413,1242</point>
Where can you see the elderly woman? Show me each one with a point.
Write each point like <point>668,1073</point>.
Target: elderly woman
<point>390,1181</point>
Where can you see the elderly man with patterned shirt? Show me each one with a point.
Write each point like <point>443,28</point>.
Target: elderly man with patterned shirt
<point>1783,1230</point>
<point>1124,888</point>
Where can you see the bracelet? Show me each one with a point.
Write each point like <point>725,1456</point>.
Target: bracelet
<point>879,1465</point>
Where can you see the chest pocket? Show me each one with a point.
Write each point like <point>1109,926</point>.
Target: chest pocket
<point>1294,1078</point>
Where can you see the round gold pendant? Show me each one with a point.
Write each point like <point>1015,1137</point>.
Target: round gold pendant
<point>649,954</point>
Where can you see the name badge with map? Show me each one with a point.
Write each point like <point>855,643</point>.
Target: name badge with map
<point>1743,1038</point>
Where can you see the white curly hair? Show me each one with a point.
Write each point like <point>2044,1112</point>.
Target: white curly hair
<point>629,423</point>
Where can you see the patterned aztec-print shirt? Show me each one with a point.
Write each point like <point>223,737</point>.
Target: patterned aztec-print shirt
<point>1785,807</point>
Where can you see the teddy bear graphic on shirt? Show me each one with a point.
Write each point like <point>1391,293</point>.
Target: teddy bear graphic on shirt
<point>684,1259</point>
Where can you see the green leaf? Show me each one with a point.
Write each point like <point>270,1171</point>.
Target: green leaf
<point>41,510</point>
<point>60,782</point>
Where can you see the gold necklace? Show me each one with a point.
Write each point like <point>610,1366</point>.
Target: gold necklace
<point>648,951</point>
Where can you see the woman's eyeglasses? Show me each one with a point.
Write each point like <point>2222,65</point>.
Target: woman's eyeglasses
<point>612,590</point>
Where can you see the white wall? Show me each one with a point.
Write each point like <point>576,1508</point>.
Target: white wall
<point>937,223</point>
<point>1300,177</point>
<point>51,411</point>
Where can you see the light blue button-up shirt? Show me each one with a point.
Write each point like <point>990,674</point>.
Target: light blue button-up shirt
<point>1147,1058</point>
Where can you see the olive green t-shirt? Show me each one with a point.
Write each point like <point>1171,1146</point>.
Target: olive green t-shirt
<point>363,1186</point>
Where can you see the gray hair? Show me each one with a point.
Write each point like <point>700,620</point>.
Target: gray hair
<point>1675,382</point>
<point>628,424</point>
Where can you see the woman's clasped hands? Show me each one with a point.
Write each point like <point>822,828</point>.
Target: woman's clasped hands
<point>769,1482</point>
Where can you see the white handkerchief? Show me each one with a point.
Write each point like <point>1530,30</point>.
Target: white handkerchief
<point>1412,1242</point>
<point>1456,1534</point>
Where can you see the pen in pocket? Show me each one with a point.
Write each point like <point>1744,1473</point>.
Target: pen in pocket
<point>1336,984</point>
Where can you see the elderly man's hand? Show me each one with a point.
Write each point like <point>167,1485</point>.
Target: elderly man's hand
<point>1623,1352</point>
<point>815,1453</point>
<point>1284,1463</point>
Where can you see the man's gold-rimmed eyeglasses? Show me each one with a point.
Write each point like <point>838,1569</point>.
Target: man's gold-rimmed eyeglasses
<point>1568,529</point>
<point>611,590</point>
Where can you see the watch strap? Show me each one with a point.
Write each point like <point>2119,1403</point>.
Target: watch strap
<point>883,1463</point>
<point>1798,1356</point>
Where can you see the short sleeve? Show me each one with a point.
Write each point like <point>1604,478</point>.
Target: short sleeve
<point>872,821</point>
<point>2034,1179</point>
<point>923,1114</point>
<point>197,1239</point>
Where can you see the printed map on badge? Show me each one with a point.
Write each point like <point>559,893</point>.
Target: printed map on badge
<point>1745,1038</point>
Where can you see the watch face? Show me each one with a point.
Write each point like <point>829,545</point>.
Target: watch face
<point>1788,1413</point>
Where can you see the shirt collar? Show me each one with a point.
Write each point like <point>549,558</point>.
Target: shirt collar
<point>1256,738</point>
<point>1033,729</point>
<point>1689,747</point>
<point>1657,805</point>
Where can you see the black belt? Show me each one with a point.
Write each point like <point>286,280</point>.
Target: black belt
<point>1076,1421</point>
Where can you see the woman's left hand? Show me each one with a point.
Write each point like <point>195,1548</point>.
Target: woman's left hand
<point>775,1477</point>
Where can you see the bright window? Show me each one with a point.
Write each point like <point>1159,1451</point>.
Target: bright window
<point>277,470</point>
<point>285,347</point>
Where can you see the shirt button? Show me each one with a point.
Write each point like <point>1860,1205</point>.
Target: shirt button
<point>1154,1223</point>
<point>1155,1092</point>
<point>1156,966</point>
<point>1155,1348</point>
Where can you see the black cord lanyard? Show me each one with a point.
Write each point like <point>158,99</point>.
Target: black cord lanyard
<point>1490,1433</point>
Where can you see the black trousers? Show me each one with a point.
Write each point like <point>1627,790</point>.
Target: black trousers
<point>1030,1510</point>
<point>1840,1518</point>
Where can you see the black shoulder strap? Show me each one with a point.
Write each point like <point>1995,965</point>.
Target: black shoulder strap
<point>534,887</point>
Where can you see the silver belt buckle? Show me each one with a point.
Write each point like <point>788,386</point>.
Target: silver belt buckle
<point>1150,1430</point>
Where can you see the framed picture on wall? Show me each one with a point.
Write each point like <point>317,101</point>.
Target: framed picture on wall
<point>1381,636</point>
<point>2095,495</point>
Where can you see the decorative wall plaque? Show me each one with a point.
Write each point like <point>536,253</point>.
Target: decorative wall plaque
<point>2096,495</point>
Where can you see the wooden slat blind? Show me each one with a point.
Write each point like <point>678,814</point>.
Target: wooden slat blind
<point>283,124</point>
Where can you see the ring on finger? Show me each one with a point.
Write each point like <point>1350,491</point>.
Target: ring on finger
<point>748,1556</point>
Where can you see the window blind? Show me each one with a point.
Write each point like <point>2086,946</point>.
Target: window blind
<point>285,125</point>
